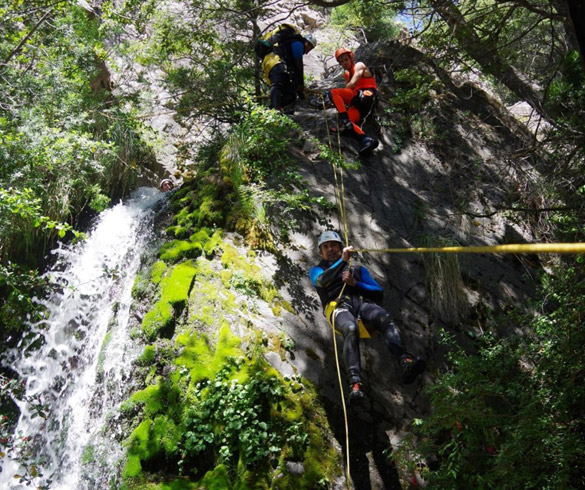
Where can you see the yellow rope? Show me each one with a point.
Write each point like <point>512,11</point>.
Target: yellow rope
<point>341,204</point>
<point>516,248</point>
<point>347,462</point>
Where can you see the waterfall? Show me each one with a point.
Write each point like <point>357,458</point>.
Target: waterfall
<point>79,359</point>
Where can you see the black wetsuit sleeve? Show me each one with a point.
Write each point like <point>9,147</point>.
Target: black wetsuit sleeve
<point>323,278</point>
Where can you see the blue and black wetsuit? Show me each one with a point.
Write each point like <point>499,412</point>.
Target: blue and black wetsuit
<point>358,301</point>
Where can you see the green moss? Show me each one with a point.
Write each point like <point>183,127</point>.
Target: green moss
<point>245,276</point>
<point>102,354</point>
<point>133,466</point>
<point>213,244</point>
<point>175,289</point>
<point>182,416</point>
<point>166,434</point>
<point>139,448</point>
<point>176,286</point>
<point>198,357</point>
<point>160,317</point>
<point>147,356</point>
<point>157,271</point>
<point>216,479</point>
<point>201,236</point>
<point>139,287</point>
<point>158,398</point>
<point>179,232</point>
<point>88,455</point>
<point>180,249</point>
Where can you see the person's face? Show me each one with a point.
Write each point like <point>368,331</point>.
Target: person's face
<point>166,186</point>
<point>308,47</point>
<point>345,61</point>
<point>331,251</point>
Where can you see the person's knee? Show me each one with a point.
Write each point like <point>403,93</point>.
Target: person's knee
<point>350,329</point>
<point>384,320</point>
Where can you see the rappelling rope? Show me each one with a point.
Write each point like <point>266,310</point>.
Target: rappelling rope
<point>339,196</point>
<point>516,248</point>
<point>342,394</point>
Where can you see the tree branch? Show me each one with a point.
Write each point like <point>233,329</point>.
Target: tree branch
<point>17,49</point>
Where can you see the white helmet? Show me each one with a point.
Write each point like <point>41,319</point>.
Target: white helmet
<point>328,236</point>
<point>310,38</point>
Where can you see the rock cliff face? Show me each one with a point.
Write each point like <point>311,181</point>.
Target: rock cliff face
<point>439,175</point>
<point>450,158</point>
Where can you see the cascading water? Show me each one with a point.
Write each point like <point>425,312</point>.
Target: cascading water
<point>80,371</point>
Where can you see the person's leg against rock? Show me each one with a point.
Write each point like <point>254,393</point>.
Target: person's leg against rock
<point>345,323</point>
<point>380,319</point>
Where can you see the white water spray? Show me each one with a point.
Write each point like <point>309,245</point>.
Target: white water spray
<point>81,370</point>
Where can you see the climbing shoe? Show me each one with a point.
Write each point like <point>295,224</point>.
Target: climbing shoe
<point>368,145</point>
<point>356,395</point>
<point>345,125</point>
<point>412,367</point>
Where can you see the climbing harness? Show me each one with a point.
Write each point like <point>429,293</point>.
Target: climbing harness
<point>330,313</point>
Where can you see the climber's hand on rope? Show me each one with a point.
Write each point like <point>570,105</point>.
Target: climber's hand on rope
<point>346,252</point>
<point>347,278</point>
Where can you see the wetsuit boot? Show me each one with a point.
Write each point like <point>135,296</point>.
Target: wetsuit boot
<point>368,145</point>
<point>412,367</point>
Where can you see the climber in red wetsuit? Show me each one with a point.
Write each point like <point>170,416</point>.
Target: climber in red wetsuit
<point>356,101</point>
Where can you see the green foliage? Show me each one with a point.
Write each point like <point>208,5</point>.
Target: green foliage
<point>212,46</point>
<point>232,420</point>
<point>510,416</point>
<point>17,288</point>
<point>375,17</point>
<point>248,183</point>
<point>147,356</point>
<point>18,446</point>
<point>222,410</point>
<point>443,280</point>
<point>66,145</point>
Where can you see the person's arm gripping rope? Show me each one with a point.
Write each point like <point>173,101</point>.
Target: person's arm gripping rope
<point>322,278</point>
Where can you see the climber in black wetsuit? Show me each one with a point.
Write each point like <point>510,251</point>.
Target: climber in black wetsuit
<point>358,301</point>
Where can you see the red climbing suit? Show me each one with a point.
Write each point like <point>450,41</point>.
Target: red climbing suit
<point>343,97</point>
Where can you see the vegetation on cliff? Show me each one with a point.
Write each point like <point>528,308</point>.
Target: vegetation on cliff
<point>506,412</point>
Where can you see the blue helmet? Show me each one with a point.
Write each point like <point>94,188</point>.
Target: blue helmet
<point>329,236</point>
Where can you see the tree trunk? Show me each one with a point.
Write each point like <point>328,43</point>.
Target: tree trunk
<point>487,56</point>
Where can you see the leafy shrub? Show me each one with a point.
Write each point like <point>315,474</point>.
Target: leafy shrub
<point>511,416</point>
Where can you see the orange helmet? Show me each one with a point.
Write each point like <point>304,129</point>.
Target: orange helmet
<point>341,51</point>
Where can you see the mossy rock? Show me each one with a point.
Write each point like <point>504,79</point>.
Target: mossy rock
<point>147,357</point>
<point>157,270</point>
<point>175,287</point>
<point>177,250</point>
<point>216,479</point>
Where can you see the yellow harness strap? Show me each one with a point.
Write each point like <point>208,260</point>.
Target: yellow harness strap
<point>330,308</point>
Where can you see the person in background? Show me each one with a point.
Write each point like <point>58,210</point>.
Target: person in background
<point>166,185</point>
<point>284,70</point>
<point>356,100</point>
